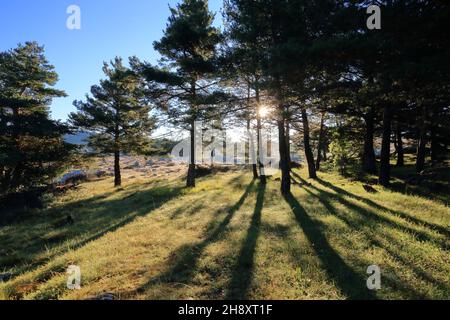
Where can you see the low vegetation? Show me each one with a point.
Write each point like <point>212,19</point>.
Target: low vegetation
<point>229,237</point>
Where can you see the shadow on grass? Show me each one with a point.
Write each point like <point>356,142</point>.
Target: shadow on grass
<point>352,285</point>
<point>243,271</point>
<point>434,187</point>
<point>365,225</point>
<point>93,218</point>
<point>339,196</point>
<point>377,206</point>
<point>187,256</point>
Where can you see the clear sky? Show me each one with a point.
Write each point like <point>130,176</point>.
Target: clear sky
<point>109,28</point>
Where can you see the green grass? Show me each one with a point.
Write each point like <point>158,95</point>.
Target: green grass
<point>230,238</point>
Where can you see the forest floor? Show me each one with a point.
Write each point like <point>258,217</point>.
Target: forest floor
<point>230,238</point>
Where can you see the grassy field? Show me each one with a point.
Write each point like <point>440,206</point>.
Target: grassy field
<point>230,238</point>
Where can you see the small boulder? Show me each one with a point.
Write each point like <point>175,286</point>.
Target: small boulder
<point>369,189</point>
<point>5,277</point>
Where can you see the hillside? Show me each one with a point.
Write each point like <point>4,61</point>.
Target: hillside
<point>229,238</point>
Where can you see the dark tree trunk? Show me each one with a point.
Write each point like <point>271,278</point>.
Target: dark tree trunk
<point>368,160</point>
<point>190,182</point>
<point>117,174</point>
<point>320,142</point>
<point>308,151</point>
<point>399,146</point>
<point>284,165</point>
<point>422,145</point>
<point>262,173</point>
<point>6,183</point>
<point>251,146</point>
<point>385,165</point>
<point>288,143</point>
<point>255,171</point>
<point>251,149</point>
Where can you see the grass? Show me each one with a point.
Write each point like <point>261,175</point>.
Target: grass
<point>231,238</point>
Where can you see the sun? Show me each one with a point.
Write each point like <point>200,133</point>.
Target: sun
<point>264,112</point>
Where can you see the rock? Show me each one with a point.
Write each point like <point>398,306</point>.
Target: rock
<point>150,163</point>
<point>5,277</point>
<point>100,173</point>
<point>105,297</point>
<point>369,189</point>
<point>73,177</point>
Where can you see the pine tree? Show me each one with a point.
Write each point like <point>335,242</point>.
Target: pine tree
<point>246,53</point>
<point>189,58</point>
<point>32,149</point>
<point>118,114</point>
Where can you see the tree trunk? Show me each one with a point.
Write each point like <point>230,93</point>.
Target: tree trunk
<point>288,142</point>
<point>6,183</point>
<point>251,145</point>
<point>308,151</point>
<point>190,182</point>
<point>385,165</point>
<point>399,146</point>
<point>117,174</point>
<point>422,146</point>
<point>251,149</point>
<point>284,166</point>
<point>320,142</point>
<point>2,175</point>
<point>369,161</point>
<point>262,173</point>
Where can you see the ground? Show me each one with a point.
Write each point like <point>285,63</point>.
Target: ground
<point>229,238</point>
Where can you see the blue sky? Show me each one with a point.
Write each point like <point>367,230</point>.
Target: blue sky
<point>109,28</point>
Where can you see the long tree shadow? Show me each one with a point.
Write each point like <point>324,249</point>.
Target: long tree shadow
<point>109,216</point>
<point>352,285</point>
<point>187,256</point>
<point>364,224</point>
<point>243,271</point>
<point>435,186</point>
<point>377,206</point>
<point>370,214</point>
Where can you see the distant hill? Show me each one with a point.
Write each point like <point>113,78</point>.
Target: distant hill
<point>79,138</point>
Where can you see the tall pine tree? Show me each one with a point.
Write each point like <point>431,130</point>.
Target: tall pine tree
<point>117,113</point>
<point>189,52</point>
<point>32,148</point>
